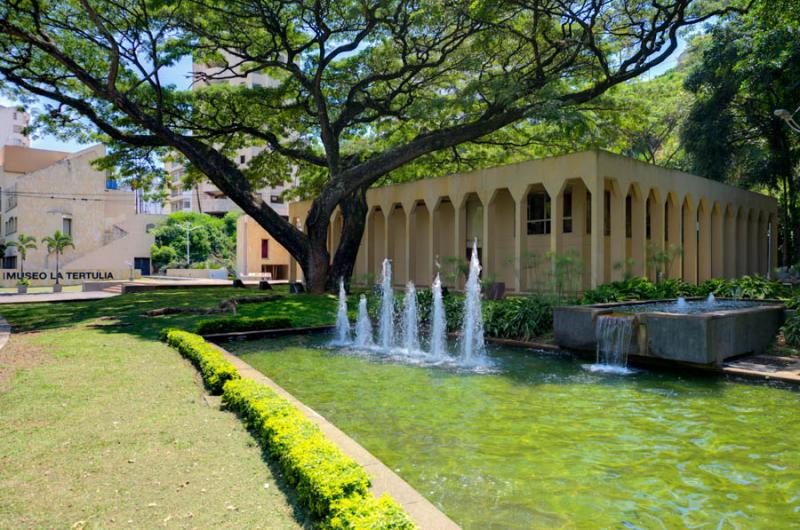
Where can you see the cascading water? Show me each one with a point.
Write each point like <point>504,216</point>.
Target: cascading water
<point>472,344</point>
<point>438,321</point>
<point>410,324</point>
<point>363,325</point>
<point>386,325</point>
<point>342,322</point>
<point>614,335</point>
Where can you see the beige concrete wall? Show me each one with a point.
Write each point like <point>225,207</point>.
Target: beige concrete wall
<point>612,199</point>
<point>249,262</point>
<point>106,231</point>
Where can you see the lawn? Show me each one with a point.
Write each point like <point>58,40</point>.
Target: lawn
<point>103,426</point>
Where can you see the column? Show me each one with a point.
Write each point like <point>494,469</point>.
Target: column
<point>554,190</point>
<point>520,238</point>
<point>704,243</point>
<point>460,214</point>
<point>617,238</point>
<point>411,212</point>
<point>639,232</point>
<point>598,239</point>
<point>657,236</point>
<point>689,242</point>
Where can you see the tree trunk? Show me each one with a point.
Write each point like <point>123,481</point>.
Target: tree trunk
<point>354,211</point>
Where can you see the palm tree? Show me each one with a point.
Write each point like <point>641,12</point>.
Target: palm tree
<point>24,244</point>
<point>57,243</point>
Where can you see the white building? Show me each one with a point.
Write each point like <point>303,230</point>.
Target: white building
<point>206,197</point>
<point>12,126</point>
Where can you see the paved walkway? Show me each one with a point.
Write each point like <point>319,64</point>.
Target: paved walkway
<point>72,296</point>
<point>782,368</point>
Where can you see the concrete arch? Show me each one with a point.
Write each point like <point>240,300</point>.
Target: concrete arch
<point>420,260</point>
<point>704,251</point>
<point>730,229</point>
<point>396,244</point>
<point>717,242</point>
<point>689,241</point>
<point>672,233</point>
<point>376,251</point>
<point>654,229</point>
<point>763,243</point>
<point>741,238</point>
<point>444,235</point>
<point>635,229</point>
<point>752,242</point>
<point>501,228</point>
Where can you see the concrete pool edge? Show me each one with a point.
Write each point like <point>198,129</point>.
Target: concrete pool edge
<point>383,479</point>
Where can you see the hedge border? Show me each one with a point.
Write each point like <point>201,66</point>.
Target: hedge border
<point>331,485</point>
<point>213,326</point>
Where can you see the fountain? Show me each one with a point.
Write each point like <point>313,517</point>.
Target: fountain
<point>472,344</point>
<point>386,325</point>
<point>363,325</point>
<point>410,324</point>
<point>681,304</point>
<point>711,299</point>
<point>438,346</point>
<point>614,334</point>
<point>342,322</point>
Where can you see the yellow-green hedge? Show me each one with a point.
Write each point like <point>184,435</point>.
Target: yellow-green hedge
<point>331,485</point>
<point>208,359</point>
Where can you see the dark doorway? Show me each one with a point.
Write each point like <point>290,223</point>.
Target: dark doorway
<point>143,265</point>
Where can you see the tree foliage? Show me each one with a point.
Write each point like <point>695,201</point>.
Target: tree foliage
<point>357,88</point>
<point>210,240</point>
<point>749,68</point>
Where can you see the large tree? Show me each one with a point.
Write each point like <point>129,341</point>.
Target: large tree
<point>750,67</point>
<point>359,88</point>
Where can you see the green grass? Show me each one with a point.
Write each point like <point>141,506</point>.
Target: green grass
<point>112,428</point>
<point>304,310</point>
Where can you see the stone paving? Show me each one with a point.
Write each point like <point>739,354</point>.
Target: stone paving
<point>782,368</point>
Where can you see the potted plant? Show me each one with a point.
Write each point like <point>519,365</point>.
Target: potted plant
<point>57,243</point>
<point>22,285</point>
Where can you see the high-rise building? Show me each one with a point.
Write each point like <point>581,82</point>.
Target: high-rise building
<point>206,197</point>
<point>13,121</point>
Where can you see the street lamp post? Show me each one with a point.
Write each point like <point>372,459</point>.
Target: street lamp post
<point>189,229</point>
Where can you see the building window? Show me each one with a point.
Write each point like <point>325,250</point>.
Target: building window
<point>538,213</point>
<point>10,262</point>
<point>648,228</point>
<point>11,225</point>
<point>66,226</point>
<point>11,201</point>
<point>242,159</point>
<point>666,223</point>
<point>265,249</point>
<point>607,213</point>
<point>18,128</point>
<point>276,199</point>
<point>567,226</point>
<point>187,204</point>
<point>628,216</point>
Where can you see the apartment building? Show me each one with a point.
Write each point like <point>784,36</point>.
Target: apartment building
<point>42,191</point>
<point>13,121</point>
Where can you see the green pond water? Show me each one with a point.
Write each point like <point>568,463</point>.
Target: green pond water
<point>542,443</point>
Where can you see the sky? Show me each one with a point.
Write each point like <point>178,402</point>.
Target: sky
<point>179,75</point>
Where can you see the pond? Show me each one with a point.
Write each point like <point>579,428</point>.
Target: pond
<point>537,441</point>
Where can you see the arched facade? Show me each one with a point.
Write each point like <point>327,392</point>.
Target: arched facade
<point>607,213</point>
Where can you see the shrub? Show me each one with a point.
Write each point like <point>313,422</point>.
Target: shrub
<point>791,331</point>
<point>518,318</point>
<point>319,471</point>
<point>232,324</point>
<point>368,513</point>
<point>208,359</point>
